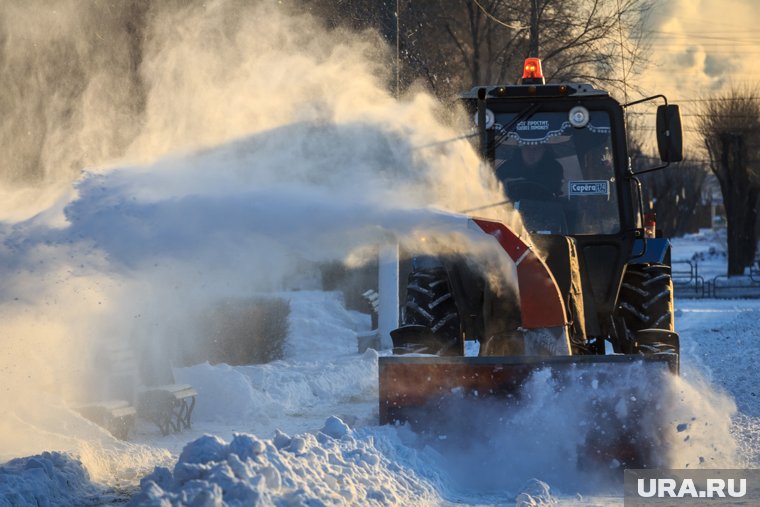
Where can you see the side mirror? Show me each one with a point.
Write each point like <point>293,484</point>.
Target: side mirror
<point>669,133</point>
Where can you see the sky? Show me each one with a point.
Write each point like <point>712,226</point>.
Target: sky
<point>700,47</point>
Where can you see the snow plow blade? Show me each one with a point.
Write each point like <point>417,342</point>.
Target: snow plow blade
<point>412,386</point>
<point>616,401</point>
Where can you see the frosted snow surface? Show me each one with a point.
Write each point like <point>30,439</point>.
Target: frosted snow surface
<point>706,250</point>
<point>50,478</point>
<point>282,435</point>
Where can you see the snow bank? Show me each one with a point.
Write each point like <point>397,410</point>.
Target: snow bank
<point>321,374</point>
<point>48,479</point>
<point>706,249</point>
<point>335,466</point>
<point>320,327</point>
<point>263,398</point>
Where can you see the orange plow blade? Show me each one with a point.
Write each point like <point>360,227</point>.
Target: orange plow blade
<point>614,396</point>
<point>408,383</point>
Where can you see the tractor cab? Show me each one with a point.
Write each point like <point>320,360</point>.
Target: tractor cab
<point>561,178</point>
<point>560,153</point>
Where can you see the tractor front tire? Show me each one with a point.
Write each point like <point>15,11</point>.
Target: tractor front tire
<point>430,320</point>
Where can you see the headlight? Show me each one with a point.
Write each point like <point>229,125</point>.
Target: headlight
<point>579,117</point>
<point>490,118</point>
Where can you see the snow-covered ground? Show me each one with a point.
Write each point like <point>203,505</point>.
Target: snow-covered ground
<point>333,463</point>
<point>303,429</point>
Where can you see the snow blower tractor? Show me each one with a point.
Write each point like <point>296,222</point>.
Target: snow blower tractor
<point>594,297</point>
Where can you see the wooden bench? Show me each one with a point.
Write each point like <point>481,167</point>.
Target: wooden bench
<point>128,395</point>
<point>117,416</point>
<point>169,406</point>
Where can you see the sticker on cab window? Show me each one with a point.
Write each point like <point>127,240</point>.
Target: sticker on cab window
<point>588,187</point>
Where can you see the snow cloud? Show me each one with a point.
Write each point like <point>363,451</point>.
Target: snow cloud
<point>575,429</point>
<point>254,142</point>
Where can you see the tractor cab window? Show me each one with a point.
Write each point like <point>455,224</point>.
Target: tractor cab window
<point>559,177</point>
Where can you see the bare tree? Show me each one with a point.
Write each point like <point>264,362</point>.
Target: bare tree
<point>730,126</point>
<point>598,41</point>
<point>457,44</point>
<point>675,195</point>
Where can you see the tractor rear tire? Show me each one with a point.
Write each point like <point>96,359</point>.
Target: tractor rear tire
<point>646,297</point>
<point>430,305</point>
<point>646,302</point>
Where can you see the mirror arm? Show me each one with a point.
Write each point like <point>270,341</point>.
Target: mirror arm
<point>640,194</point>
<point>647,99</point>
<point>667,164</point>
<point>483,135</point>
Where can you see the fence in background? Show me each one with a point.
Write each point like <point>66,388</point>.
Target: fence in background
<point>689,283</point>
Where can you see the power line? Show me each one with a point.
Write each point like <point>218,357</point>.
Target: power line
<point>699,115</point>
<point>716,99</point>
<point>512,26</point>
<point>713,23</point>
<point>685,35</point>
<point>687,32</point>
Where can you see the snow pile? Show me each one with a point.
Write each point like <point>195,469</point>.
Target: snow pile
<point>334,466</point>
<point>320,375</point>
<point>558,434</point>
<point>536,494</point>
<point>320,324</point>
<point>50,478</point>
<point>296,395</point>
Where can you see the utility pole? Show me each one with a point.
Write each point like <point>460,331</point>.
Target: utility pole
<point>534,47</point>
<point>387,289</point>
<point>398,49</point>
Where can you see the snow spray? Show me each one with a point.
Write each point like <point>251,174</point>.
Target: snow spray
<point>573,431</point>
<point>246,141</point>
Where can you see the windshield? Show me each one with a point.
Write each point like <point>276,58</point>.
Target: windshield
<point>560,178</point>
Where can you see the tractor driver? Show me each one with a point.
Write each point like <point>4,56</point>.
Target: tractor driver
<point>534,171</point>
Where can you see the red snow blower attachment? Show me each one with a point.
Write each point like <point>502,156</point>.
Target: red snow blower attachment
<point>594,298</point>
